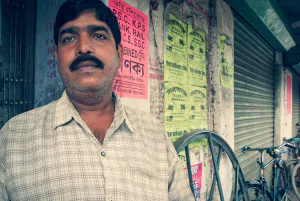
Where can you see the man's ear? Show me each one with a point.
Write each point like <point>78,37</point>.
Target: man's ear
<point>120,54</point>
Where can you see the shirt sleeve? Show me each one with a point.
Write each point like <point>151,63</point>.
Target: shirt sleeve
<point>3,147</point>
<point>179,188</point>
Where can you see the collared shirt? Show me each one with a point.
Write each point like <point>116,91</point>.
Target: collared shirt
<point>49,153</point>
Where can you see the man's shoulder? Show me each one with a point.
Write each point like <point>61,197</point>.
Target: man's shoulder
<point>144,121</point>
<point>142,116</point>
<point>30,118</point>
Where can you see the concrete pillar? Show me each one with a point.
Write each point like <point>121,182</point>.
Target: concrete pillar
<point>283,120</point>
<point>222,103</point>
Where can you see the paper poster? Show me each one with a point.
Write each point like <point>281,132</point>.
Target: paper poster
<point>226,60</point>
<point>132,78</point>
<point>196,57</point>
<point>197,109</point>
<point>176,110</point>
<point>175,58</point>
<point>197,179</point>
<point>288,94</point>
<point>198,153</point>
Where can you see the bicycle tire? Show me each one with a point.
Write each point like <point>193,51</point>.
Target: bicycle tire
<point>290,164</point>
<point>255,192</point>
<point>282,185</point>
<point>217,140</point>
<point>294,181</point>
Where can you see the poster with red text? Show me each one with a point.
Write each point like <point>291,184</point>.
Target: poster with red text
<point>132,78</point>
<point>197,179</point>
<point>288,94</point>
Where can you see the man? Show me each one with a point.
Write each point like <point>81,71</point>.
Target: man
<point>87,145</point>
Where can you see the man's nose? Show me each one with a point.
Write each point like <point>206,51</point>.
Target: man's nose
<point>85,45</point>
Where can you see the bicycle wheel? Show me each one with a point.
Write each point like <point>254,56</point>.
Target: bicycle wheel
<point>295,178</point>
<point>256,193</point>
<point>218,150</point>
<point>281,183</point>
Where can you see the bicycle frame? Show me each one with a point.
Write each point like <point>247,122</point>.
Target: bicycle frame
<point>263,166</point>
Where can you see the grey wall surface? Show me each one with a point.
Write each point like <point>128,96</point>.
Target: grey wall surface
<point>48,85</point>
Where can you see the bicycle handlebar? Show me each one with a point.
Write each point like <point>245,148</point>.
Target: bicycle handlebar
<point>293,139</point>
<point>269,150</point>
<point>247,148</point>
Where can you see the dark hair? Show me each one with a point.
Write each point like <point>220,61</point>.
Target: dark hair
<point>72,9</point>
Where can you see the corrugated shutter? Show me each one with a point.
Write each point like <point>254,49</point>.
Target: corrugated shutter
<point>296,102</point>
<point>253,95</point>
<point>16,57</point>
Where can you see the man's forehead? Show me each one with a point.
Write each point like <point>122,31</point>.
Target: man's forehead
<point>85,22</point>
<point>86,18</point>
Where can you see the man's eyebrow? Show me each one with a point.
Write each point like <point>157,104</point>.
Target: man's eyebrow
<point>94,28</point>
<point>69,30</point>
<point>90,28</point>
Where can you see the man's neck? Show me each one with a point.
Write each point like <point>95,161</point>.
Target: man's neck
<point>97,111</point>
<point>92,104</point>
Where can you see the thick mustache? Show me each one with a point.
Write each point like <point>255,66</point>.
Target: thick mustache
<point>82,58</point>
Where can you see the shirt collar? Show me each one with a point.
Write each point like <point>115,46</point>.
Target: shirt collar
<point>65,112</point>
<point>121,115</point>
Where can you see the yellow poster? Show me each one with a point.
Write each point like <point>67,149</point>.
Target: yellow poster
<point>176,110</point>
<point>196,57</point>
<point>175,58</point>
<point>226,60</point>
<point>197,109</point>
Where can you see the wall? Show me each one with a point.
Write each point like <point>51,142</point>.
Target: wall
<point>48,85</point>
<point>222,110</point>
<point>220,99</point>
<point>282,119</point>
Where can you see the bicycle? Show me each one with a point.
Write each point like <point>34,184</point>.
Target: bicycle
<point>258,189</point>
<point>294,165</point>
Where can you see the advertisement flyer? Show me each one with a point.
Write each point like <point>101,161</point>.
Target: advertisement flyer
<point>197,179</point>
<point>197,109</point>
<point>175,58</point>
<point>288,94</point>
<point>196,57</point>
<point>198,152</point>
<point>226,59</point>
<point>176,110</point>
<point>132,78</point>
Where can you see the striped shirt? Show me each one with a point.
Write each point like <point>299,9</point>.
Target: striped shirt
<point>49,153</point>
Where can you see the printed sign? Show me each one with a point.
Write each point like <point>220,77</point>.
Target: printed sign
<point>197,179</point>
<point>176,110</point>
<point>226,62</point>
<point>197,109</point>
<point>132,78</point>
<point>175,58</point>
<point>196,57</point>
<point>288,94</point>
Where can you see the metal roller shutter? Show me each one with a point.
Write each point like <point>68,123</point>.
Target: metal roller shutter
<point>253,95</point>
<point>296,102</point>
<point>16,58</point>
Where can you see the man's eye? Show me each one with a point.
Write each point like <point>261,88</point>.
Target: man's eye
<point>67,39</point>
<point>99,36</point>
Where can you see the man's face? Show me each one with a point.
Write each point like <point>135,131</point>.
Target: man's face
<point>86,54</point>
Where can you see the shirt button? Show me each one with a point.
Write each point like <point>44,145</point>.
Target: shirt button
<point>103,153</point>
<point>111,198</point>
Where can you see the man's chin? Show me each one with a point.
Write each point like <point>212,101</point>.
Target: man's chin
<point>90,88</point>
